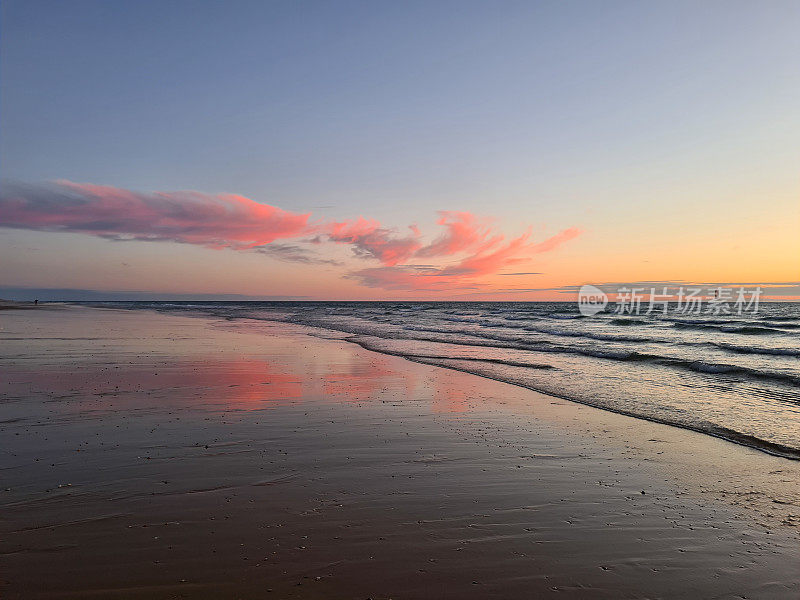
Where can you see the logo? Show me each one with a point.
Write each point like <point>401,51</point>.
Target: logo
<point>591,300</point>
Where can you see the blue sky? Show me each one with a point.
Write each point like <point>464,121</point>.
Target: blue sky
<point>613,117</point>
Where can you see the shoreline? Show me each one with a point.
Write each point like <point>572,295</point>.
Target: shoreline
<point>717,431</point>
<point>384,464</point>
<point>733,437</point>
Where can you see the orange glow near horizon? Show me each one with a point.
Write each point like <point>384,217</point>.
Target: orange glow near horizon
<point>229,244</point>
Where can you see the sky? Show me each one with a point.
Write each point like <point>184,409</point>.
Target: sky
<point>397,150</point>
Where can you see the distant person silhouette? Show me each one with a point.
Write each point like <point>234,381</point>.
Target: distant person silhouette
<point>36,301</point>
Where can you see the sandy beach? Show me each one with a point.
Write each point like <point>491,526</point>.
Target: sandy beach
<point>156,456</point>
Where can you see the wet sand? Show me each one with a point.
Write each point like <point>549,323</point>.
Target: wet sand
<point>154,456</point>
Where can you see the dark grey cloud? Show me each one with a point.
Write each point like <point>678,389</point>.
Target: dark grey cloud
<point>294,253</point>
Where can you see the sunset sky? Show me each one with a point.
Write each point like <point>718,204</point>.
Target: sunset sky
<point>399,150</point>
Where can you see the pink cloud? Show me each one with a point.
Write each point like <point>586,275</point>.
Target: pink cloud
<point>490,258</point>
<point>488,261</point>
<point>464,231</point>
<point>370,240</point>
<point>217,221</point>
<point>555,241</point>
<point>236,222</point>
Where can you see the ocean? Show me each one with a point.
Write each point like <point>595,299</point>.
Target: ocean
<point>732,376</point>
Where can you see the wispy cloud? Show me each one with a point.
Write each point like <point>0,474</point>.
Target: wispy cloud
<point>216,221</point>
<point>490,257</point>
<point>464,231</point>
<point>370,240</point>
<point>239,223</point>
<point>294,253</point>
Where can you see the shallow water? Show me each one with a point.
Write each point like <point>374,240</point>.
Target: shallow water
<point>732,376</point>
<point>154,456</point>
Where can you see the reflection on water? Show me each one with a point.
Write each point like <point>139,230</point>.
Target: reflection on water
<point>449,395</point>
<point>134,403</point>
<point>728,375</point>
<point>364,380</point>
<point>233,383</point>
<point>162,367</point>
